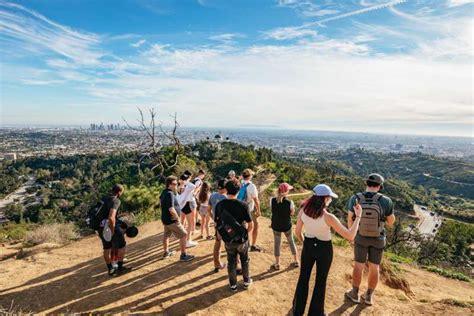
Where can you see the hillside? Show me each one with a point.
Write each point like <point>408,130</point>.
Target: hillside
<point>72,279</point>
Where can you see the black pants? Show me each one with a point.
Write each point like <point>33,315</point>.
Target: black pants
<point>314,250</point>
<point>233,250</point>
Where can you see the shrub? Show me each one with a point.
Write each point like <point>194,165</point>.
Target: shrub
<point>341,242</point>
<point>448,273</point>
<point>52,233</point>
<point>14,231</point>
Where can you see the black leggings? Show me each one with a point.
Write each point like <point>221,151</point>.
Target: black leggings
<point>314,250</point>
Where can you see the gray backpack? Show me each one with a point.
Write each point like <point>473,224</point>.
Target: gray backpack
<point>372,221</point>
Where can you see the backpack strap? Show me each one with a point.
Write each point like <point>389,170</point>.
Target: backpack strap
<point>360,197</point>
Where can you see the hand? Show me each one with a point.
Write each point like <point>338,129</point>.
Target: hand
<point>358,210</point>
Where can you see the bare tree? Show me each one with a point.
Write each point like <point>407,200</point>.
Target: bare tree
<point>161,159</point>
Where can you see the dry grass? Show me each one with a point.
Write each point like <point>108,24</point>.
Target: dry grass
<point>393,279</point>
<point>53,233</point>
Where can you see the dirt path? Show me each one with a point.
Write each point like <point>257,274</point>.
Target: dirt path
<point>73,279</point>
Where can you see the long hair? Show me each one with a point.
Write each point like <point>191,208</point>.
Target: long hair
<point>280,196</point>
<point>314,206</point>
<point>204,192</point>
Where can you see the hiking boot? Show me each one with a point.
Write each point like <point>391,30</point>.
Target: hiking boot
<point>167,254</point>
<point>124,270</point>
<point>185,257</point>
<point>351,295</point>
<point>248,283</point>
<point>368,299</point>
<point>255,249</point>
<point>190,244</point>
<point>233,288</point>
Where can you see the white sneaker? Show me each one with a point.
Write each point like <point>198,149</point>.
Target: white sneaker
<point>190,244</point>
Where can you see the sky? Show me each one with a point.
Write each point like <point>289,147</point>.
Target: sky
<point>377,66</point>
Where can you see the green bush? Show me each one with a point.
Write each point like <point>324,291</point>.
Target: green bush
<point>14,231</point>
<point>448,273</point>
<point>396,258</point>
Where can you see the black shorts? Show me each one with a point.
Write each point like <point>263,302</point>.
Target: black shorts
<point>117,242</point>
<point>187,209</point>
<point>371,249</point>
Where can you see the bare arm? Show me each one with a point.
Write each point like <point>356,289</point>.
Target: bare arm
<point>334,222</point>
<point>350,220</point>
<point>299,228</point>
<point>174,213</point>
<point>112,214</point>
<point>257,206</point>
<point>390,220</point>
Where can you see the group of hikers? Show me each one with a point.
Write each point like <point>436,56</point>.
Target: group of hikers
<point>234,210</point>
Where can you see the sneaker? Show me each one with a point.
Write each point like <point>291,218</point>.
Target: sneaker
<point>124,270</point>
<point>233,288</point>
<point>248,283</point>
<point>190,244</point>
<point>112,272</point>
<point>167,254</point>
<point>352,296</point>
<point>255,249</point>
<point>185,257</point>
<point>368,299</point>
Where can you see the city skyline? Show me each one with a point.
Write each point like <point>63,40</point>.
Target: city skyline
<point>310,65</point>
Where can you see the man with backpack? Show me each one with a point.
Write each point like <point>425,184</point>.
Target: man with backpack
<point>369,243</point>
<point>234,223</point>
<point>104,217</point>
<point>198,183</point>
<point>248,193</point>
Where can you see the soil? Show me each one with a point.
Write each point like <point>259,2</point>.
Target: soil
<point>73,279</point>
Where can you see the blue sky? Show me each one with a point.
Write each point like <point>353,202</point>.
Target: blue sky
<point>367,65</point>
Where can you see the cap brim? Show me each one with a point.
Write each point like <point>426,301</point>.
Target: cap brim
<point>334,195</point>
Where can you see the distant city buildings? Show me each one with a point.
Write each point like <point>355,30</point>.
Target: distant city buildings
<point>102,127</point>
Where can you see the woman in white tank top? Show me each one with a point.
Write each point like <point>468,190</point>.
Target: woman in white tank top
<point>317,246</point>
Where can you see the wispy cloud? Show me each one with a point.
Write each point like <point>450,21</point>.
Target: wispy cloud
<point>31,29</point>
<point>354,13</point>
<point>138,44</point>
<point>226,38</point>
<point>286,33</point>
<point>456,3</point>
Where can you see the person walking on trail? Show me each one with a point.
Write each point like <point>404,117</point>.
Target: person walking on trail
<point>198,181</point>
<point>234,224</point>
<point>282,209</point>
<point>317,222</point>
<point>249,194</point>
<point>215,198</point>
<point>185,200</point>
<point>114,249</point>
<point>370,241</point>
<point>203,199</point>
<point>170,220</point>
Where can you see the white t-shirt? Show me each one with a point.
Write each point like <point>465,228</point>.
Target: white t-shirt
<point>187,194</point>
<point>252,193</point>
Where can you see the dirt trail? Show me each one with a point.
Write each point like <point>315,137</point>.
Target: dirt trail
<point>73,279</point>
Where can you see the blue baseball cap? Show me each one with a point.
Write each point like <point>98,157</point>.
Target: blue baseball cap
<point>324,190</point>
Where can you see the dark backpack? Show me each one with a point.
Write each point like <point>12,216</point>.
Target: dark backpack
<point>95,216</point>
<point>372,220</point>
<point>229,229</point>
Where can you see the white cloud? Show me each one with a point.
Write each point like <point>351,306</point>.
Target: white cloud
<point>456,3</point>
<point>286,33</point>
<point>323,12</point>
<point>226,38</point>
<point>30,29</point>
<point>138,44</point>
